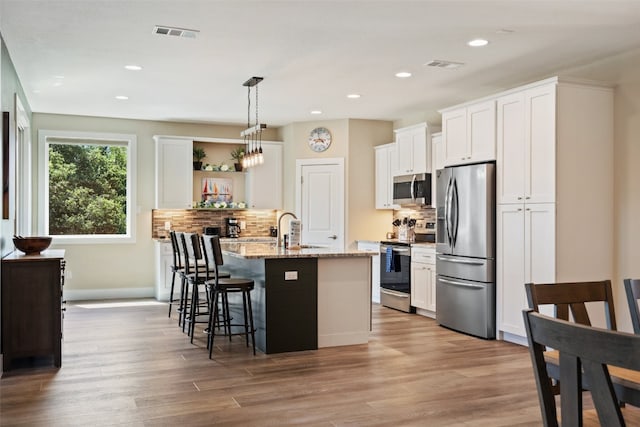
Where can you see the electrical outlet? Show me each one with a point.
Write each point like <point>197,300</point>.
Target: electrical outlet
<point>167,225</point>
<point>243,225</point>
<point>68,274</point>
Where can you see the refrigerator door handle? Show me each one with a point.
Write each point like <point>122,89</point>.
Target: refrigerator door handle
<point>460,261</point>
<point>454,212</point>
<point>456,283</point>
<point>447,213</point>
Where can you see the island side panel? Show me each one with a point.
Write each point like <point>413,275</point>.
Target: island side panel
<point>291,304</point>
<point>250,269</point>
<point>344,301</point>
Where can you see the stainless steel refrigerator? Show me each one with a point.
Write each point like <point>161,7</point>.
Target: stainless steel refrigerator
<point>466,249</point>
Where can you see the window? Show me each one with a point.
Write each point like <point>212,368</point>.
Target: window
<point>87,186</point>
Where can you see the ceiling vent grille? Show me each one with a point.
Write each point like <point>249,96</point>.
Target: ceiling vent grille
<point>173,31</point>
<point>449,65</point>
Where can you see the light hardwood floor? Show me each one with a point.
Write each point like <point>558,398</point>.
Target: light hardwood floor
<point>133,366</point>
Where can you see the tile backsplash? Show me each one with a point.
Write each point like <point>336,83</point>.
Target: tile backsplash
<point>194,220</point>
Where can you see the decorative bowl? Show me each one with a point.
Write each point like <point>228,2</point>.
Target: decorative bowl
<point>31,245</point>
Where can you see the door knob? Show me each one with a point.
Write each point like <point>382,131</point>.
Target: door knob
<point>334,237</point>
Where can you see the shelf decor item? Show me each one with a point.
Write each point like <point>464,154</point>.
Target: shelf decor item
<point>31,245</point>
<point>217,190</point>
<point>237,154</point>
<point>198,155</point>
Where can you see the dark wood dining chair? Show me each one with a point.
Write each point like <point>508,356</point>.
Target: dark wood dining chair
<point>632,287</point>
<point>570,298</point>
<point>584,354</point>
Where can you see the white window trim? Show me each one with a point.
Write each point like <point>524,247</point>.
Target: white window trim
<point>43,185</point>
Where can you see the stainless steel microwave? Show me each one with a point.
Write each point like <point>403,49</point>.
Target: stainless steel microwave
<point>412,190</point>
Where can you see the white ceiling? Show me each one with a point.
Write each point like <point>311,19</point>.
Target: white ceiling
<point>310,53</point>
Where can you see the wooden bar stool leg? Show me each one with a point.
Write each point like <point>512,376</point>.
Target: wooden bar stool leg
<point>246,321</point>
<point>173,283</point>
<point>253,330</point>
<point>212,320</point>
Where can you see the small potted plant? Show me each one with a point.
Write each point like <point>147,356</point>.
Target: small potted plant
<point>198,155</point>
<point>237,154</point>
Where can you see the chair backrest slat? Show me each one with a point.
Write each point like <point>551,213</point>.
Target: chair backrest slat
<point>632,288</point>
<point>212,253</point>
<point>572,297</point>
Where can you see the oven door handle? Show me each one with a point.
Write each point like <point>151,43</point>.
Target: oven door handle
<point>394,293</point>
<point>383,250</point>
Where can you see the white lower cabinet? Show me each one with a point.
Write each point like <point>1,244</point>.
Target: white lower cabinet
<point>164,261</point>
<point>375,268</point>
<point>423,280</point>
<point>525,253</point>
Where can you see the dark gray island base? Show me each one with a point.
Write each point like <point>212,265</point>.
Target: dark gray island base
<point>306,298</point>
<point>285,312</point>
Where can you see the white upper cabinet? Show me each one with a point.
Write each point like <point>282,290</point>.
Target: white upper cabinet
<point>469,133</point>
<point>413,154</point>
<point>385,166</point>
<point>526,135</point>
<point>264,182</point>
<point>174,175</point>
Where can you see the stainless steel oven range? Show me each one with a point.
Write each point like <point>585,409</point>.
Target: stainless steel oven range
<point>395,275</point>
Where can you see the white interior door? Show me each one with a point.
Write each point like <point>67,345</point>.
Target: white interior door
<point>320,201</point>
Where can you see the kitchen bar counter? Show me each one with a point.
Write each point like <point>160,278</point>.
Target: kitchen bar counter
<point>304,298</point>
<point>249,250</point>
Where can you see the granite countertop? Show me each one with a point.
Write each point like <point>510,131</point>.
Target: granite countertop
<point>252,250</point>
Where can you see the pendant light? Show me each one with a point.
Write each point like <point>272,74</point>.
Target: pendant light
<point>252,135</point>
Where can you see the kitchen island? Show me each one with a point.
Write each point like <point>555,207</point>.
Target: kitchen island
<point>304,298</point>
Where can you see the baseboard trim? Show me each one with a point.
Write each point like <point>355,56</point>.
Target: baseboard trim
<point>115,293</point>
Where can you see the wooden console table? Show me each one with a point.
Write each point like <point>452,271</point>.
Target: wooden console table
<point>31,306</point>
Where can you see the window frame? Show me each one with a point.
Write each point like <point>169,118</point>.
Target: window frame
<point>47,137</point>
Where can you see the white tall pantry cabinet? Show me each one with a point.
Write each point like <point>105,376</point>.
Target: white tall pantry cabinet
<point>554,191</point>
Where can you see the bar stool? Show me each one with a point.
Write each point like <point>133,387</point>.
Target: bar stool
<point>197,273</point>
<point>176,268</point>
<point>194,271</point>
<point>222,287</point>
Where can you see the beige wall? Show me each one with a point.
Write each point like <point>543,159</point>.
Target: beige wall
<point>627,188</point>
<point>352,140</point>
<point>123,269</point>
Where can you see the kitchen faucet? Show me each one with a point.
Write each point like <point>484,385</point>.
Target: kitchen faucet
<point>279,237</point>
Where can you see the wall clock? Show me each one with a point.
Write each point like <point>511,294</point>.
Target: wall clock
<point>319,139</point>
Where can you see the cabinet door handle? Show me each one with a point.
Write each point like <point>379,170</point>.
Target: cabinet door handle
<point>519,198</point>
<point>334,237</point>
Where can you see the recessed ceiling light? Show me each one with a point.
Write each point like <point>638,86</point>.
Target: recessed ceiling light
<point>353,96</point>
<point>122,97</point>
<point>478,42</point>
<point>133,67</point>
<point>316,111</point>
<point>57,84</point>
<point>36,91</point>
<point>403,74</point>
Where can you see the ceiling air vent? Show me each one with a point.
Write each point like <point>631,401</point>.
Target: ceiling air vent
<point>173,31</point>
<point>449,65</point>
